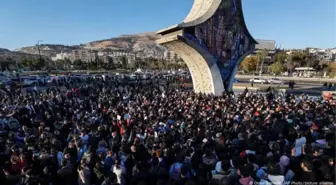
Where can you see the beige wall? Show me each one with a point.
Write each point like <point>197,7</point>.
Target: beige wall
<point>205,74</point>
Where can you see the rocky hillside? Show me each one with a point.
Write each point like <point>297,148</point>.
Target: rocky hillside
<point>47,50</point>
<point>12,56</point>
<point>143,43</point>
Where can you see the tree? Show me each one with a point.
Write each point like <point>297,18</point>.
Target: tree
<point>110,63</point>
<point>280,57</point>
<point>38,63</point>
<point>26,63</point>
<point>176,57</point>
<point>299,57</point>
<point>124,62</point>
<point>276,68</point>
<point>98,63</point>
<point>153,63</point>
<point>78,64</point>
<point>183,65</point>
<point>261,55</point>
<point>290,65</point>
<point>92,65</point>
<point>109,60</point>
<point>250,64</point>
<point>162,64</point>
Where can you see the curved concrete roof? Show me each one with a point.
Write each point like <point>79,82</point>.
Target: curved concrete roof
<point>205,74</point>
<point>202,10</point>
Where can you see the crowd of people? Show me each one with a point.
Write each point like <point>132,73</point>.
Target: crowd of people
<point>105,132</point>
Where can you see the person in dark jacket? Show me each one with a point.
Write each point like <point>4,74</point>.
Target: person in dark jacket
<point>65,174</point>
<point>110,179</point>
<point>307,175</point>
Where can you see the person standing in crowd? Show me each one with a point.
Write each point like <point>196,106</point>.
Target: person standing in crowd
<point>110,132</point>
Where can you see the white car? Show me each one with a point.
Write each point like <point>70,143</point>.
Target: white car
<point>258,80</point>
<point>275,81</point>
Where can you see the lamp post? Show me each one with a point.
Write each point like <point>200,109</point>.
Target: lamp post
<point>39,51</point>
<point>38,48</point>
<point>18,74</point>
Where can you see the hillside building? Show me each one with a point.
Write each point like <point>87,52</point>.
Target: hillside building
<point>84,55</point>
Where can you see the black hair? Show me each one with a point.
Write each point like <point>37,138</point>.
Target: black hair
<point>308,164</point>
<point>225,165</point>
<point>244,172</point>
<point>273,168</point>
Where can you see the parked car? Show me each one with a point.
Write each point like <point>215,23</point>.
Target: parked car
<point>275,81</point>
<point>32,80</point>
<point>258,80</point>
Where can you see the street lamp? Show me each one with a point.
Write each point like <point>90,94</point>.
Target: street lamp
<point>40,57</point>
<point>38,48</point>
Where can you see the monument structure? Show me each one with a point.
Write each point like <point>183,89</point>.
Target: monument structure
<point>212,40</point>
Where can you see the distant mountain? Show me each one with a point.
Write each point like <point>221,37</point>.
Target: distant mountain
<point>3,50</point>
<point>47,50</point>
<point>143,44</point>
<point>12,56</point>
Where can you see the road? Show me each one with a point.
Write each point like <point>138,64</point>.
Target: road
<point>300,87</point>
<point>298,83</point>
<point>313,80</point>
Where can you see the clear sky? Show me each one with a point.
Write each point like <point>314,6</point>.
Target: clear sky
<point>291,23</point>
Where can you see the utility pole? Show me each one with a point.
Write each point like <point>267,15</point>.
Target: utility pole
<point>136,60</point>
<point>263,55</point>
<point>40,57</point>
<point>38,48</point>
<point>18,74</point>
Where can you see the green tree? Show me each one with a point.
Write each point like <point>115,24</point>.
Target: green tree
<point>78,64</point>
<point>276,68</point>
<point>26,63</point>
<point>261,55</point>
<point>153,64</point>
<point>172,66</point>
<point>250,64</point>
<point>176,57</point>
<point>109,60</point>
<point>38,63</point>
<point>299,58</point>
<point>124,62</point>
<point>280,57</point>
<point>162,65</point>
<point>109,64</point>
